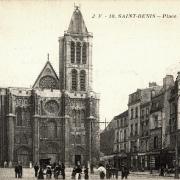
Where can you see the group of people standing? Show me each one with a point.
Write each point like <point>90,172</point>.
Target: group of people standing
<point>109,171</point>
<point>78,171</point>
<point>18,170</point>
<point>57,169</point>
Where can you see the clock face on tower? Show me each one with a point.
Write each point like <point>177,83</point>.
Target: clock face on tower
<point>47,82</point>
<point>51,107</point>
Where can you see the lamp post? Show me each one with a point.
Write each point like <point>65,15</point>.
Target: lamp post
<point>91,133</point>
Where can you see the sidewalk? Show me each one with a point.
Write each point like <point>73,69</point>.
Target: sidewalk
<point>147,173</point>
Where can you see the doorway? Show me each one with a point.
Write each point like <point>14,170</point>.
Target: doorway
<point>77,159</point>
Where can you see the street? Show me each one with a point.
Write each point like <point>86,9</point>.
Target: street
<point>8,174</point>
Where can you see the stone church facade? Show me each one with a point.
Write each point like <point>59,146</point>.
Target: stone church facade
<point>58,118</point>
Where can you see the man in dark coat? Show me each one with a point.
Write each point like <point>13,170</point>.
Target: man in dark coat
<point>36,168</point>
<point>20,170</point>
<point>63,170</point>
<point>124,172</point>
<point>16,169</point>
<point>86,172</point>
<point>41,174</point>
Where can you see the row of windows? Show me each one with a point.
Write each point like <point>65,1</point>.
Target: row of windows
<point>78,52</point>
<point>78,118</point>
<point>120,136</point>
<point>82,77</point>
<point>122,122</point>
<point>144,112</point>
<point>134,113</point>
<point>120,147</point>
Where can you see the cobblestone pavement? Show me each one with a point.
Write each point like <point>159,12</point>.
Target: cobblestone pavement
<point>8,174</point>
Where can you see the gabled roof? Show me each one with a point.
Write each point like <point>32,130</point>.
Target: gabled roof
<point>48,70</point>
<point>77,24</point>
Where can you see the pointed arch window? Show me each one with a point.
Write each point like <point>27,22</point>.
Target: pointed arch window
<point>72,52</point>
<point>82,80</point>
<point>19,116</point>
<point>27,117</point>
<point>78,53</point>
<point>74,80</point>
<point>74,118</point>
<point>84,55</point>
<point>78,119</point>
<point>82,117</point>
<point>43,130</point>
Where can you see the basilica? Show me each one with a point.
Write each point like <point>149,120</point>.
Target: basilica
<point>58,118</point>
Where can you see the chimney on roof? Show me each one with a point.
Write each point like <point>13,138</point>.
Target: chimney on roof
<point>168,81</point>
<point>152,84</point>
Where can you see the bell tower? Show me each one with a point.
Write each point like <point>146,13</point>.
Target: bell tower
<point>80,105</point>
<point>75,56</point>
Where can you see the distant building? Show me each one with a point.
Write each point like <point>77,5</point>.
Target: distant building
<point>58,118</point>
<point>145,135</point>
<point>107,137</point>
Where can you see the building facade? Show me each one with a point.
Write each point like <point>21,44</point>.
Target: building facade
<point>152,123</point>
<point>58,118</point>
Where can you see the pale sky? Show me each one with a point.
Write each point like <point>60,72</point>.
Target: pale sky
<point>128,53</point>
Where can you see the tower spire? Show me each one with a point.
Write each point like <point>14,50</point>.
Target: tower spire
<point>77,24</point>
<point>77,7</point>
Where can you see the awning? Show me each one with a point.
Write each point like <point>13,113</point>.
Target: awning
<point>121,155</point>
<point>104,158</point>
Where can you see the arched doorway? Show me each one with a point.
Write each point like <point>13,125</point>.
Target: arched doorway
<point>23,155</point>
<point>79,155</point>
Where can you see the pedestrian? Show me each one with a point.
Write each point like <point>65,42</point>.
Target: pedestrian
<point>30,164</point>
<point>102,171</point>
<point>78,171</point>
<point>48,172</point>
<point>40,173</point>
<point>10,164</point>
<point>57,171</point>
<point>36,168</point>
<point>107,171</point>
<point>124,172</point>
<point>73,174</point>
<point>162,171</point>
<point>5,164</point>
<point>92,168</point>
<point>20,170</point>
<point>63,170</point>
<point>86,172</point>
<point>16,169</point>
